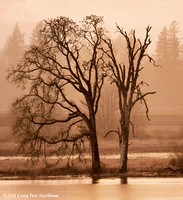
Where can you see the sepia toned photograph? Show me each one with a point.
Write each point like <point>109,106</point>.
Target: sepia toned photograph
<point>91,100</point>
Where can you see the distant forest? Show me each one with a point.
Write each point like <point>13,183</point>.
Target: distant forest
<point>166,79</point>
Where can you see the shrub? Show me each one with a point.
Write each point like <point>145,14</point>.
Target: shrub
<point>176,159</point>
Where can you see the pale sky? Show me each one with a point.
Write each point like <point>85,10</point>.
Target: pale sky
<point>128,14</point>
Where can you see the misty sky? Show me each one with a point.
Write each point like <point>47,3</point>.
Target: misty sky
<point>127,13</point>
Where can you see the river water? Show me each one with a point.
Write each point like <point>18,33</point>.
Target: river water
<point>89,189</point>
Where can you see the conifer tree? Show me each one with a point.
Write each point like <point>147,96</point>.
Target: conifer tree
<point>162,48</point>
<point>36,34</point>
<point>174,46</point>
<point>14,47</point>
<point>168,47</point>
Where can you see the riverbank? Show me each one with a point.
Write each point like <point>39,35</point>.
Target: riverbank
<point>12,169</point>
<point>147,158</point>
<point>166,173</point>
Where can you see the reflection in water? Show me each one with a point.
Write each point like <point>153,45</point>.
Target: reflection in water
<point>123,180</point>
<point>95,179</point>
<point>102,189</point>
<point>98,180</point>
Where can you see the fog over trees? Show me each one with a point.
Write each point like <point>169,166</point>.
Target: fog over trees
<point>64,74</point>
<point>10,55</point>
<point>128,81</point>
<point>14,48</point>
<point>168,54</point>
<point>79,83</point>
<point>168,47</point>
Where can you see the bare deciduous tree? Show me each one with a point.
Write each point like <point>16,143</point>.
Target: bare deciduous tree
<point>128,83</point>
<point>64,76</point>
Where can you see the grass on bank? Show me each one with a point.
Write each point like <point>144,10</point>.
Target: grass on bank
<point>176,159</point>
<point>9,167</point>
<point>110,168</point>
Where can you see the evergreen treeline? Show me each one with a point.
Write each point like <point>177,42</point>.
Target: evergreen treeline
<point>169,48</point>
<point>166,80</point>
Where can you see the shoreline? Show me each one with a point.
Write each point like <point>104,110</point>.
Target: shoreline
<point>20,169</point>
<point>165,173</point>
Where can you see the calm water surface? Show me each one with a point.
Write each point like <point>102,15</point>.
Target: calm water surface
<point>85,189</point>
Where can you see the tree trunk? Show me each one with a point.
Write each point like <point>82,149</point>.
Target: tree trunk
<point>124,148</point>
<point>94,143</point>
<point>95,153</point>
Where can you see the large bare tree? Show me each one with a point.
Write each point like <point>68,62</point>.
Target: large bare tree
<point>63,74</point>
<point>126,77</point>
